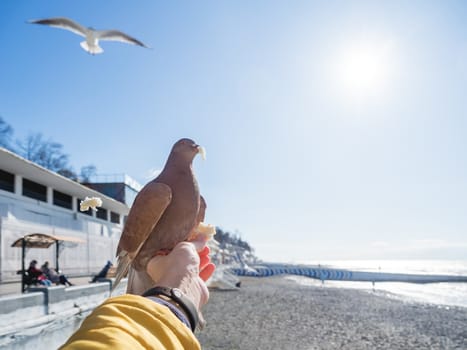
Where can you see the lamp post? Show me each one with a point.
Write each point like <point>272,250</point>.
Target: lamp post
<point>23,272</point>
<point>57,252</point>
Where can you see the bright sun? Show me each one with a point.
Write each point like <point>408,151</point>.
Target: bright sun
<point>364,70</point>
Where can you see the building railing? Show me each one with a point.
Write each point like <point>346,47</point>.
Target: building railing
<point>112,178</point>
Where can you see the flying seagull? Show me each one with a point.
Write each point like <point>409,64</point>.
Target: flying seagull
<point>91,44</point>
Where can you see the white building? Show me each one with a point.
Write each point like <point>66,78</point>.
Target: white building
<point>36,200</point>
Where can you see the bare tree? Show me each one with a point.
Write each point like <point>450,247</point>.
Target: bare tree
<point>46,153</point>
<point>29,148</point>
<point>6,133</point>
<point>69,173</point>
<point>87,172</point>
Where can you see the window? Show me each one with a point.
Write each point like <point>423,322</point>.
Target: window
<point>87,212</point>
<point>34,190</point>
<point>101,213</point>
<point>7,181</point>
<point>114,217</point>
<point>62,199</point>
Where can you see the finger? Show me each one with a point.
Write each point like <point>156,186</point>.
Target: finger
<point>207,272</point>
<point>158,260</point>
<point>183,254</point>
<point>200,242</point>
<point>204,251</point>
<point>204,292</point>
<point>156,266</point>
<point>203,261</point>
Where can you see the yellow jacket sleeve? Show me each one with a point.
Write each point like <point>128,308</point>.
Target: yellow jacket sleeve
<point>132,322</point>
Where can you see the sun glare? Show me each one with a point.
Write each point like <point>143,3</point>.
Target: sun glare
<point>364,70</point>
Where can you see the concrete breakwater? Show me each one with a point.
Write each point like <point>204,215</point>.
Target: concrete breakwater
<point>43,306</point>
<point>331,274</point>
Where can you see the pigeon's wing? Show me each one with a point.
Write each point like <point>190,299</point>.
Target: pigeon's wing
<point>63,23</point>
<point>202,210</point>
<point>199,218</point>
<point>116,35</point>
<point>145,213</point>
<point>140,281</point>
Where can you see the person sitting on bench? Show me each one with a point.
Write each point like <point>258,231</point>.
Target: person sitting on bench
<point>54,276</point>
<point>37,276</point>
<point>103,272</point>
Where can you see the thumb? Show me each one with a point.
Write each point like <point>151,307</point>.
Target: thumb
<point>199,242</point>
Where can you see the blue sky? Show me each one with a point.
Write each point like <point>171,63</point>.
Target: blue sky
<point>333,129</point>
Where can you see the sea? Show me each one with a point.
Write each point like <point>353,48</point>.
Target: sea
<point>442,294</point>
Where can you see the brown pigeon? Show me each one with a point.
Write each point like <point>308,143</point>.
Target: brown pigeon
<point>139,281</point>
<point>165,212</point>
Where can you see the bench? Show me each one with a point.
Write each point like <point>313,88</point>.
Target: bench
<point>28,280</point>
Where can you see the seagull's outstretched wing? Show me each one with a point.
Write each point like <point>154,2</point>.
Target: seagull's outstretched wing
<point>145,213</point>
<point>116,35</point>
<point>63,23</point>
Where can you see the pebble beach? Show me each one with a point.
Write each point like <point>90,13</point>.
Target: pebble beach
<point>276,313</point>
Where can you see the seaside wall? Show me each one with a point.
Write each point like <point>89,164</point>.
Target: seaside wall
<point>44,305</point>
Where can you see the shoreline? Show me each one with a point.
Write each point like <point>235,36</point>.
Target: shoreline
<point>276,313</point>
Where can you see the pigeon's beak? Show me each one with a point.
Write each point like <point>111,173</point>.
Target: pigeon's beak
<point>201,151</point>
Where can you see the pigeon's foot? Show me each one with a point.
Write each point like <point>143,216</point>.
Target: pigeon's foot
<point>162,252</point>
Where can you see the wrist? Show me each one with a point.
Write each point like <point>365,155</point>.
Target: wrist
<point>173,307</point>
<point>187,285</point>
<point>175,297</point>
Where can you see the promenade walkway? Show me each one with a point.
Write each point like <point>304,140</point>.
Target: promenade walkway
<point>8,288</point>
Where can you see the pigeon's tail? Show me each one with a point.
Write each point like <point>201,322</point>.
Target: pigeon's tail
<point>93,50</point>
<point>123,263</point>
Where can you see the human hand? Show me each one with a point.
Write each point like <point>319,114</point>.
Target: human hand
<point>186,267</point>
